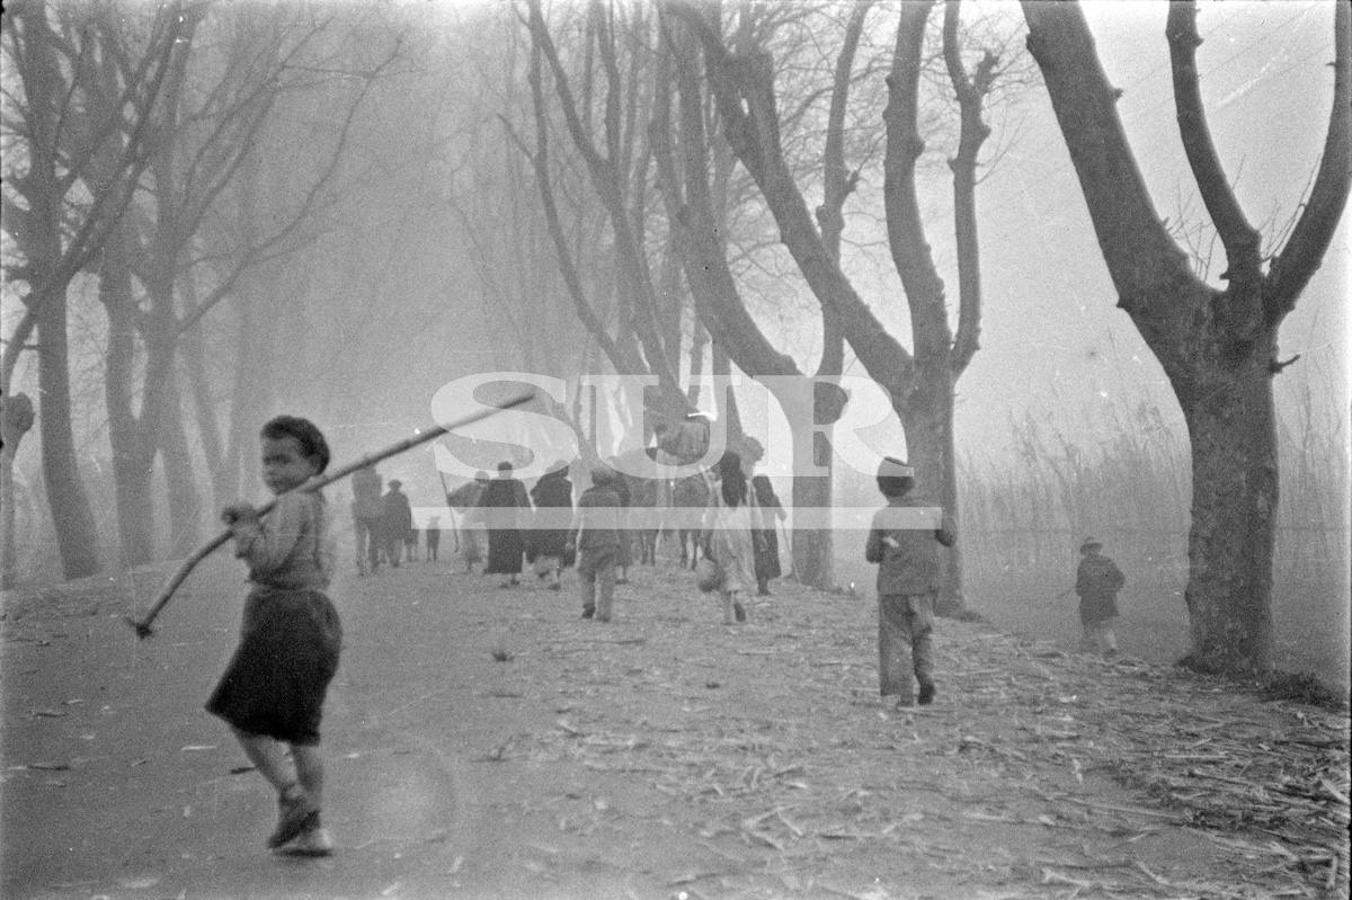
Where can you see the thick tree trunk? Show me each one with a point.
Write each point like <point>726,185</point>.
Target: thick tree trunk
<point>185,503</point>
<point>1232,427</point>
<point>72,515</point>
<point>132,458</point>
<point>813,548</point>
<point>928,422</point>
<point>9,547</point>
<point>1218,347</point>
<point>16,418</point>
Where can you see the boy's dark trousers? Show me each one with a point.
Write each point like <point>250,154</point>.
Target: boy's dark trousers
<point>596,578</point>
<point>905,622</point>
<point>368,541</point>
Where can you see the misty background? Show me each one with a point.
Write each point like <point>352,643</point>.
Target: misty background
<point>403,248</point>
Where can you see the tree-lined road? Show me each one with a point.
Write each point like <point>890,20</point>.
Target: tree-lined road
<point>491,743</point>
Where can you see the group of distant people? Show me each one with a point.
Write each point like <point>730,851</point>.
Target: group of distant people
<point>739,531</point>
<point>383,523</point>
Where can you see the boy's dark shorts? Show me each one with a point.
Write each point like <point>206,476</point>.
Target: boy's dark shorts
<point>288,653</point>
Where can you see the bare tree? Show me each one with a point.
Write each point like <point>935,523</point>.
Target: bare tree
<point>920,383</point>
<point>83,143</point>
<point>700,226</point>
<point>617,160</point>
<point>1218,347</point>
<point>217,102</point>
<point>266,172</point>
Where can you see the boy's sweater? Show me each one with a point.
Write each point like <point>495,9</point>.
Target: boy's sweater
<point>912,565</point>
<point>598,517</point>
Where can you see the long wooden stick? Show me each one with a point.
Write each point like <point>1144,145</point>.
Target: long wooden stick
<point>142,625</point>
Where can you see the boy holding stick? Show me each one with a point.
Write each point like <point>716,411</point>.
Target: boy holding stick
<point>272,691</point>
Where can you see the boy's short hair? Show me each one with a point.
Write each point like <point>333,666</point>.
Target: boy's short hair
<point>895,477</point>
<point>310,438</point>
<point>601,476</point>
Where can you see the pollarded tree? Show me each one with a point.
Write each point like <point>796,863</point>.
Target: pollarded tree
<point>697,205</point>
<point>919,381</point>
<point>1218,346</point>
<point>616,158</point>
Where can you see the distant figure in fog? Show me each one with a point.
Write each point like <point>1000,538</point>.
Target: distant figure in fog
<point>553,496</point>
<point>411,543</point>
<point>396,522</point>
<point>908,584</point>
<point>432,538</point>
<point>368,510</point>
<point>1097,581</point>
<point>727,536</point>
<point>465,501</point>
<point>770,512</point>
<point>506,509</point>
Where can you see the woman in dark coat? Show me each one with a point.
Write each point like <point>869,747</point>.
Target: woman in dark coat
<point>505,509</point>
<point>766,534</point>
<point>552,494</point>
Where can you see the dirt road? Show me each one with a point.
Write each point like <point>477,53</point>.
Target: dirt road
<point>490,743</point>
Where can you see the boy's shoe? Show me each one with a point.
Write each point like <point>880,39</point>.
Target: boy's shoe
<point>739,612</point>
<point>588,612</point>
<point>314,840</point>
<point>904,703</point>
<point>926,693</point>
<point>295,808</point>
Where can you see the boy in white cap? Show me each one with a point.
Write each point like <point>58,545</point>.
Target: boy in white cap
<point>908,583</point>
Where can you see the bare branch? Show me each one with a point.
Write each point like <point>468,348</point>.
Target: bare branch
<point>567,269</point>
<point>1292,270</point>
<point>1241,239</point>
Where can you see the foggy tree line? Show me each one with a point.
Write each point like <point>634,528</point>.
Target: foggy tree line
<point>636,188</point>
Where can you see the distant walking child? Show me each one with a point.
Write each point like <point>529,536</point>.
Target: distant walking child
<point>1097,581</point>
<point>727,536</point>
<point>432,538</point>
<point>596,536</point>
<point>908,584</point>
<point>272,692</point>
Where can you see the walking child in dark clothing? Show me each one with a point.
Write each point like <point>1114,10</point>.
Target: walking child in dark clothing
<point>596,536</point>
<point>272,691</point>
<point>907,554</point>
<point>432,538</point>
<point>1097,581</point>
<point>769,513</point>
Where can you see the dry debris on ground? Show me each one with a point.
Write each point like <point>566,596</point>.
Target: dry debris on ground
<point>764,754</point>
